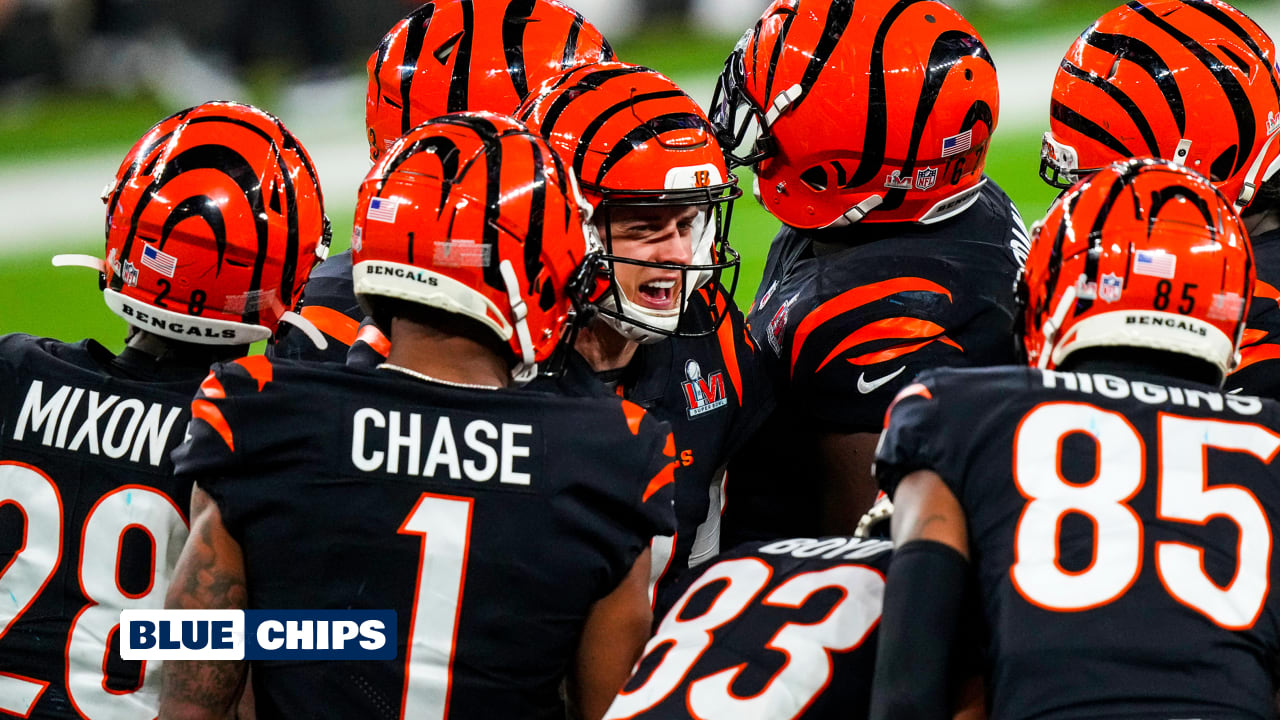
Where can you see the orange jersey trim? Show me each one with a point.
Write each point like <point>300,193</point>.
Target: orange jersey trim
<point>1251,337</point>
<point>373,337</point>
<point>211,388</point>
<point>208,412</point>
<point>855,298</point>
<point>333,323</point>
<point>900,328</point>
<point>259,368</point>
<point>729,349</point>
<point>1257,354</point>
<point>1266,290</point>
<point>634,414</point>
<point>906,392</point>
<point>667,475</point>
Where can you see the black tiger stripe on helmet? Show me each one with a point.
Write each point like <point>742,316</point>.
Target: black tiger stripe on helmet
<point>214,223</point>
<point>439,60</point>
<point>909,147</point>
<point>1192,81</point>
<point>504,229</point>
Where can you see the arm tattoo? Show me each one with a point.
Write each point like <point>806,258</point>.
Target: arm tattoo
<point>936,521</point>
<point>210,575</point>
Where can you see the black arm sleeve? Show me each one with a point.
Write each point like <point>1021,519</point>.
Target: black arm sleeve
<point>922,605</point>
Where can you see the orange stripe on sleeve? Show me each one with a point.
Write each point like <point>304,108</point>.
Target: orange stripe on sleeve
<point>211,388</point>
<point>634,414</point>
<point>370,335</point>
<point>854,298</point>
<point>1257,354</point>
<point>906,392</point>
<point>1251,337</point>
<point>667,475</point>
<point>1261,289</point>
<point>911,330</point>
<point>208,412</point>
<point>259,368</point>
<point>333,323</point>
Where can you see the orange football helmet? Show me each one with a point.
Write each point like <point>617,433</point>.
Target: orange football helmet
<point>634,138</point>
<point>473,214</point>
<point>458,55</point>
<point>874,111</point>
<point>1191,81</point>
<point>214,222</point>
<point>1143,253</point>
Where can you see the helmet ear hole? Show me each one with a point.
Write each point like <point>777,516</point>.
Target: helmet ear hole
<point>815,177</point>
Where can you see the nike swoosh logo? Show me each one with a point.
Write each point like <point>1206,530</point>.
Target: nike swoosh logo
<point>865,387</point>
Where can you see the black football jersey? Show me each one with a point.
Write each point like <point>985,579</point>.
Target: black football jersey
<point>490,521</point>
<point>714,392</point>
<point>1259,371</point>
<point>785,630</point>
<point>91,521</point>
<point>329,303</point>
<point>1121,529</point>
<point>845,318</point>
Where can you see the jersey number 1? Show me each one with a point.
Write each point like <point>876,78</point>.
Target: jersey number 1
<point>444,524</point>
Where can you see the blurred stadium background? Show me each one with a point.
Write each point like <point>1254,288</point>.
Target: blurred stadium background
<point>80,80</point>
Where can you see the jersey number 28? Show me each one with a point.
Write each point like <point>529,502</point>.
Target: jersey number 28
<point>97,570</point>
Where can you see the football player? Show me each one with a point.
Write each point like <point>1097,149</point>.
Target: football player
<point>668,336</point>
<point>896,253</point>
<point>1113,506</point>
<point>781,629</point>
<point>435,487</point>
<point>1194,82</point>
<point>214,221</point>
<point>446,56</point>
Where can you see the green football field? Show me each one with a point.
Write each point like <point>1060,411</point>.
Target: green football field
<point>65,302</point>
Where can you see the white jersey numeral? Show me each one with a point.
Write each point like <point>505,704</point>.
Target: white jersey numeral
<point>808,647</point>
<point>444,524</point>
<point>1184,496</point>
<point>97,570</point>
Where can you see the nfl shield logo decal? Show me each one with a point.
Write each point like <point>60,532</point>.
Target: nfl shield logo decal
<point>130,274</point>
<point>926,178</point>
<point>1110,287</point>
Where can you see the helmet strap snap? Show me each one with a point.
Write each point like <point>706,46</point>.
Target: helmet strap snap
<point>527,368</point>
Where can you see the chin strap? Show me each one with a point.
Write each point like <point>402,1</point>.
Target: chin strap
<point>859,211</point>
<point>1051,326</point>
<point>307,327</point>
<point>1253,179</point>
<point>527,368</point>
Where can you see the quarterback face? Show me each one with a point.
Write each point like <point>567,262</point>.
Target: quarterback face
<point>652,235</point>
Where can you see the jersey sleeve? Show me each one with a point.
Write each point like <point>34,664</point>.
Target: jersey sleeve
<point>224,446</point>
<point>914,435</point>
<point>651,495</point>
<point>844,376</point>
<point>1259,370</point>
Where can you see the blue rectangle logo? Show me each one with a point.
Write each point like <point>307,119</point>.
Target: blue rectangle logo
<point>258,634</point>
<point>320,635</point>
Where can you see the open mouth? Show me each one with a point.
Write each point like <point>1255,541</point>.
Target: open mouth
<point>658,294</point>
